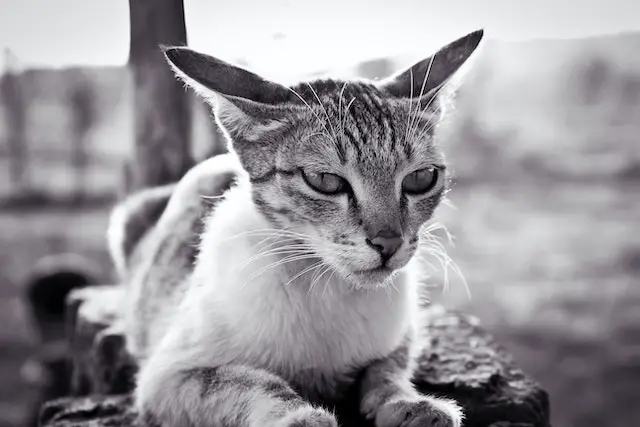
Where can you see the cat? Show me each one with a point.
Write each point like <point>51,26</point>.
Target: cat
<point>295,278</point>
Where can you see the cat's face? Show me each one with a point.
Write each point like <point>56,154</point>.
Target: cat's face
<point>351,169</point>
<point>359,182</point>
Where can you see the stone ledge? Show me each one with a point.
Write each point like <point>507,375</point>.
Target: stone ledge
<point>95,411</point>
<point>101,364</point>
<point>464,362</point>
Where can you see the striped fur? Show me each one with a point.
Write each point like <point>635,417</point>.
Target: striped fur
<point>287,305</point>
<point>131,219</point>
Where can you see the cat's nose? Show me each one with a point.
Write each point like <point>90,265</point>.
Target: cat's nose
<point>386,243</point>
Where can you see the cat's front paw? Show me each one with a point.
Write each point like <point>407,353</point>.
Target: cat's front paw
<point>308,417</point>
<point>419,412</point>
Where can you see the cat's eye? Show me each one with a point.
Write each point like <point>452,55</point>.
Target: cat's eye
<point>420,181</point>
<point>325,183</point>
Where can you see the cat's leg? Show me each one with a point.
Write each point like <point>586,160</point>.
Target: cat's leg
<point>238,396</point>
<point>181,385</point>
<point>389,397</point>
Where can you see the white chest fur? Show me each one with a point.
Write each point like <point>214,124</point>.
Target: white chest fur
<point>237,316</point>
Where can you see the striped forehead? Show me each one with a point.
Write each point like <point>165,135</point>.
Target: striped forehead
<point>366,124</point>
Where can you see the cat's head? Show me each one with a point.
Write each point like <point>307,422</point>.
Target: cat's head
<point>351,165</point>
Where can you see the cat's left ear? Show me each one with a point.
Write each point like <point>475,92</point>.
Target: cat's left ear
<point>245,104</point>
<point>425,78</point>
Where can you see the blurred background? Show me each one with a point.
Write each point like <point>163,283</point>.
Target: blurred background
<point>545,143</point>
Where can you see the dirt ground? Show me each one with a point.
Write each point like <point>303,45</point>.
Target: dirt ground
<point>553,271</point>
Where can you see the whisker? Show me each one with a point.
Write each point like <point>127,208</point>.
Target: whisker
<point>306,270</point>
<point>283,239</point>
<point>317,273</point>
<point>430,245</point>
<point>275,232</point>
<point>435,96</point>
<point>323,123</point>
<point>349,105</point>
<point>346,113</point>
<point>262,244</point>
<point>424,260</point>
<point>449,203</point>
<point>285,243</point>
<point>418,110</point>
<point>312,135</point>
<point>406,131</point>
<point>276,251</point>
<point>317,279</point>
<point>429,125</point>
<point>325,111</point>
<point>326,283</point>
<point>285,260</point>
<point>340,118</point>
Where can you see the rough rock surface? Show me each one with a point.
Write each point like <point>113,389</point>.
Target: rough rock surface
<point>47,370</point>
<point>464,362</point>
<point>101,364</point>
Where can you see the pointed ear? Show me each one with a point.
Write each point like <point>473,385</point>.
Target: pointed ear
<point>430,74</point>
<point>245,104</point>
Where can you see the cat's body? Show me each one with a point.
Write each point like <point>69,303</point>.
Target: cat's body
<point>305,276</point>
<point>258,322</point>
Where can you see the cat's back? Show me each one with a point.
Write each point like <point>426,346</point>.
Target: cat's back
<point>159,272</point>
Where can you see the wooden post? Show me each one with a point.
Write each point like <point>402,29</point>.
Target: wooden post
<point>15,110</point>
<point>161,104</point>
<point>82,104</point>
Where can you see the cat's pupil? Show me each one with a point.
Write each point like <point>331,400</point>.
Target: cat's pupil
<point>330,181</point>
<point>420,181</point>
<point>326,183</point>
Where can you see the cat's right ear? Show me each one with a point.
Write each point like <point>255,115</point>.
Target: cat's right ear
<point>245,104</point>
<point>425,78</point>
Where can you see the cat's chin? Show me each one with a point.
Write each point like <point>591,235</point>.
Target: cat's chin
<point>373,279</point>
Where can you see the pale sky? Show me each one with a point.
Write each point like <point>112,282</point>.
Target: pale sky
<point>300,36</point>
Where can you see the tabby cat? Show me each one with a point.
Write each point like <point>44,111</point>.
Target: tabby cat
<point>296,279</point>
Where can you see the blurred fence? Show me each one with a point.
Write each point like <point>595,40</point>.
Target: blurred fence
<point>48,146</point>
<point>66,133</point>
